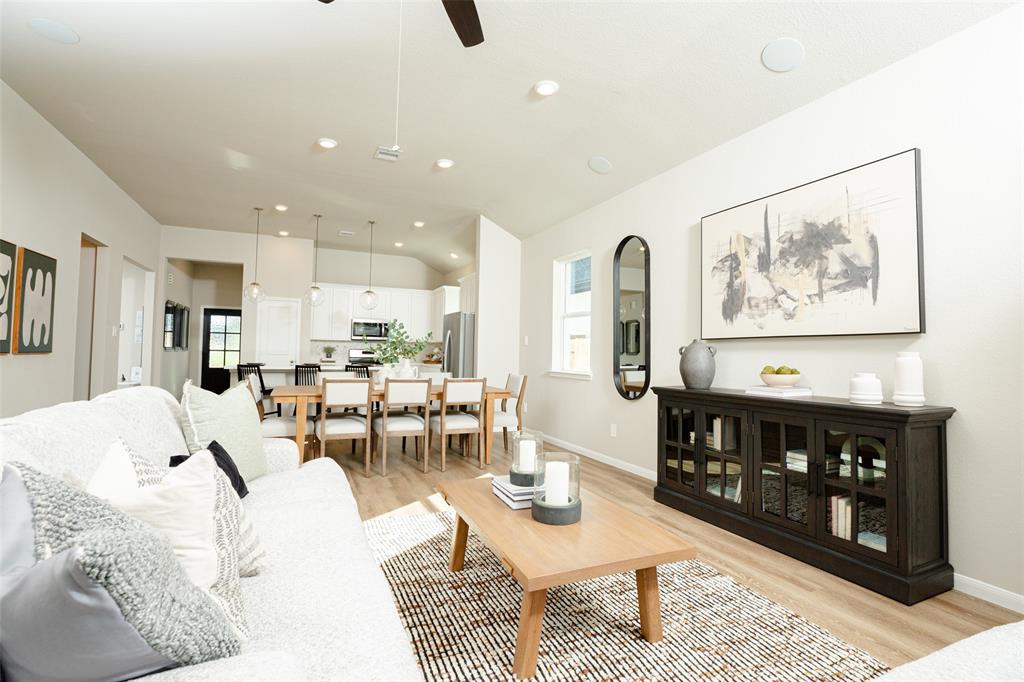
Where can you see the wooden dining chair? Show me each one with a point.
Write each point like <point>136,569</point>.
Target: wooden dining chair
<point>308,374</point>
<point>361,371</point>
<point>341,425</point>
<point>465,394</point>
<point>396,420</point>
<point>245,369</point>
<point>510,416</point>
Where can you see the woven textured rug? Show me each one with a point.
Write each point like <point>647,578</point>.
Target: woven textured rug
<point>463,625</point>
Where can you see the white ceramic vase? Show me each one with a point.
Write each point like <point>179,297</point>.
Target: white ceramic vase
<point>908,390</point>
<point>405,369</point>
<point>865,389</point>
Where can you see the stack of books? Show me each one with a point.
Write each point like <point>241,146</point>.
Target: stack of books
<point>781,391</point>
<point>515,496</point>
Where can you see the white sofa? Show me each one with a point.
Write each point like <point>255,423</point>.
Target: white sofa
<point>320,610</point>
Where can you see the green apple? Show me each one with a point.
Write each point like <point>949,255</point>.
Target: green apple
<point>767,369</point>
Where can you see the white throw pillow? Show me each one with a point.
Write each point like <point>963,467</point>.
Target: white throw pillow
<point>231,419</point>
<point>193,505</point>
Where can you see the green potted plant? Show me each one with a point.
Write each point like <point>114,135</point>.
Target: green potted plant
<point>399,349</point>
<point>329,351</point>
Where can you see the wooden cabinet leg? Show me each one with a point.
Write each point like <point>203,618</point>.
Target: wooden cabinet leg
<point>531,617</point>
<point>650,603</point>
<point>458,558</point>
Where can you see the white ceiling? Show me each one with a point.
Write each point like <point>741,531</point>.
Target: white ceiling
<point>201,110</point>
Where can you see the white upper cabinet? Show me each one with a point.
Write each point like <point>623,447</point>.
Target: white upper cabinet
<point>341,313</point>
<point>443,300</point>
<point>401,307</point>
<point>418,323</point>
<point>420,310</point>
<point>382,311</point>
<point>320,319</point>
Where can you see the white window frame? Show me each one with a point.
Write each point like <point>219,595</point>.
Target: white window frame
<point>558,316</point>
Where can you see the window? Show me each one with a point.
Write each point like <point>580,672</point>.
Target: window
<point>224,340</point>
<point>571,334</point>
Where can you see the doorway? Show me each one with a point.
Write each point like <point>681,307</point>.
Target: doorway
<point>85,318</point>
<point>132,327</point>
<point>222,341</point>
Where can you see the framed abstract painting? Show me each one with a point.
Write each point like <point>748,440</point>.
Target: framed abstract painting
<point>837,256</point>
<point>36,277</point>
<point>8,262</point>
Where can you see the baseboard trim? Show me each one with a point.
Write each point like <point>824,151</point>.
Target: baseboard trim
<point>649,474</point>
<point>990,593</point>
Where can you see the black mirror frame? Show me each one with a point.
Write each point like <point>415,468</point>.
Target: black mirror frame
<point>619,342</point>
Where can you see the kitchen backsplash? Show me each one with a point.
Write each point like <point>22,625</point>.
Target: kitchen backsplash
<point>316,351</point>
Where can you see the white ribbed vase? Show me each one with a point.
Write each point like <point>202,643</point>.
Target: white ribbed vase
<point>908,390</point>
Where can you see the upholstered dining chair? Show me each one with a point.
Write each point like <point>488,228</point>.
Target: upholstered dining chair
<point>510,416</point>
<point>272,425</point>
<point>244,369</point>
<point>460,393</point>
<point>341,425</point>
<point>396,420</point>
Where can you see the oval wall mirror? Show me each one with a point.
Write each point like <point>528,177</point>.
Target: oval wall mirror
<point>631,315</point>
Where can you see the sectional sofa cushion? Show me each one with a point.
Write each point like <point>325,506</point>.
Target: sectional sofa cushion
<point>106,598</point>
<point>193,506</point>
<point>226,464</point>
<point>231,419</point>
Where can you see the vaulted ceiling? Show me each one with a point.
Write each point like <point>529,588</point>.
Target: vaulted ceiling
<point>201,111</point>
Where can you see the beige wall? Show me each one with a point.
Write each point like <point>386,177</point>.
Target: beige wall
<point>497,302</point>
<point>133,303</point>
<point>214,285</point>
<point>173,363</point>
<point>959,101</point>
<point>51,194</point>
<point>351,267</point>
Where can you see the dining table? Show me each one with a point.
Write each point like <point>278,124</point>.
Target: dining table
<point>304,396</point>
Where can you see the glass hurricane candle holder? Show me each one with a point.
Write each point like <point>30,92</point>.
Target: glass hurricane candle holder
<point>557,500</point>
<point>527,446</point>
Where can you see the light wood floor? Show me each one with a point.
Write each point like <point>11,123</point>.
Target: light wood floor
<point>888,630</point>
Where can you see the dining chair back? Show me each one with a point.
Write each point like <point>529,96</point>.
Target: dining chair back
<point>511,413</point>
<point>396,419</point>
<point>343,394</point>
<point>308,374</point>
<point>361,371</point>
<point>466,394</point>
<point>246,369</point>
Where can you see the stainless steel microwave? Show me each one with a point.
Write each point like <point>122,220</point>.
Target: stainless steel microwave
<point>373,330</point>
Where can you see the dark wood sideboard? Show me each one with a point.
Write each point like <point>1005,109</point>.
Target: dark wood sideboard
<point>856,490</point>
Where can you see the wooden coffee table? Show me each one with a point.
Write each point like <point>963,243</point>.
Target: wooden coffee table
<point>608,539</point>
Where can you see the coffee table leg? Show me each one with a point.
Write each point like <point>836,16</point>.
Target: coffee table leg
<point>650,603</point>
<point>458,558</point>
<point>531,616</point>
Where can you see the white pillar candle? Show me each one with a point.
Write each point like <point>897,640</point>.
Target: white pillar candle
<point>527,456</point>
<point>556,483</point>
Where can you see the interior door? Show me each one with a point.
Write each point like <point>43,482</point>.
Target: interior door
<point>222,342</point>
<point>277,331</point>
<point>785,471</point>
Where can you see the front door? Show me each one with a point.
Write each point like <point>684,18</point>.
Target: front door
<point>222,339</point>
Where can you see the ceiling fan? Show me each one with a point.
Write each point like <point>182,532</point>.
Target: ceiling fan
<point>464,18</point>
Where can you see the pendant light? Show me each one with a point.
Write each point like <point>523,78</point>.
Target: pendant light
<point>368,299</point>
<point>314,295</point>
<point>254,290</point>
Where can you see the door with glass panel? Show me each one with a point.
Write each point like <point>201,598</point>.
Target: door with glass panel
<point>858,500</point>
<point>784,471</point>
<point>222,341</point>
<point>679,444</point>
<point>722,446</point>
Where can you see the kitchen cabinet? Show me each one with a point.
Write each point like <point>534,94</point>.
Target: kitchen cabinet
<point>382,311</point>
<point>443,300</point>
<point>418,322</point>
<point>401,308</point>
<point>414,308</point>
<point>341,313</point>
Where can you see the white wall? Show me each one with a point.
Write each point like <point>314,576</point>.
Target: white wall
<point>499,265</point>
<point>51,194</point>
<point>959,101</point>
<point>351,267</point>
<point>173,363</point>
<point>133,305</point>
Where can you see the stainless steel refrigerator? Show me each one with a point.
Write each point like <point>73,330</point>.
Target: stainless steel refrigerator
<point>459,344</point>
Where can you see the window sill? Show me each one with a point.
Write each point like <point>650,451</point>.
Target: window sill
<point>568,374</point>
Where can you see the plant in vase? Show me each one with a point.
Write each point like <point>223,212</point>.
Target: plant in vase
<point>399,349</point>
<point>329,351</point>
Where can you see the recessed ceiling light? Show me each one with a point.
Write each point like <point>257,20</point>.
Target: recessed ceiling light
<point>57,32</point>
<point>281,208</point>
<point>444,163</point>
<point>545,88</point>
<point>282,233</point>
<point>600,165</point>
<point>327,142</point>
<point>418,223</point>
<point>453,254</point>
<point>399,244</point>
<point>782,54</point>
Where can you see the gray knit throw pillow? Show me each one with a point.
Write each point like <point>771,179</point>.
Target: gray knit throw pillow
<point>115,563</point>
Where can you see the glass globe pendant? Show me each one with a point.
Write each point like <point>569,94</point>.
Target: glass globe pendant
<point>314,295</point>
<point>254,290</point>
<point>368,299</point>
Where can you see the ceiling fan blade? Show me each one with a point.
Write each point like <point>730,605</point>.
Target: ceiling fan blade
<point>465,21</point>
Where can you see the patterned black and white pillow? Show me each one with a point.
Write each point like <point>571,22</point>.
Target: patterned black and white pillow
<point>104,597</point>
<point>179,502</point>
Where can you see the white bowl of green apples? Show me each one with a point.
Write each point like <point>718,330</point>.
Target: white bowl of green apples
<point>780,376</point>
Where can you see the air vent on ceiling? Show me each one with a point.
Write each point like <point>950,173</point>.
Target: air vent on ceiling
<point>346,233</point>
<point>387,154</point>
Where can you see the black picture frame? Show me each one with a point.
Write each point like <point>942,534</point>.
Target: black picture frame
<point>618,325</point>
<point>8,291</point>
<point>170,324</point>
<point>919,235</point>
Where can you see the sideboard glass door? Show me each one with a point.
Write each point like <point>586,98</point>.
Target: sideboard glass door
<point>679,447</point>
<point>859,504</point>
<point>785,471</point>
<point>723,446</point>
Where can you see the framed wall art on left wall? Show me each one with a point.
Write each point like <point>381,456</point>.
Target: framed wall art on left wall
<point>8,262</point>
<point>35,279</point>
